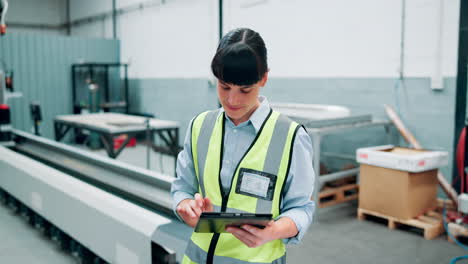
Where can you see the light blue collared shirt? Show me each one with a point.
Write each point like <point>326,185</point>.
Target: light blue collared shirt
<point>296,203</point>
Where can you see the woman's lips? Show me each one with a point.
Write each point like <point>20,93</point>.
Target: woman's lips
<point>233,108</point>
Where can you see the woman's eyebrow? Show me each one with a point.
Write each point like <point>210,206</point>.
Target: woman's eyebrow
<point>242,87</point>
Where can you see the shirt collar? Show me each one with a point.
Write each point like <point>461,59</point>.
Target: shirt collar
<point>259,115</point>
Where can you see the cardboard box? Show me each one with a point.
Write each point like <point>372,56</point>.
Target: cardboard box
<point>397,193</point>
<point>399,158</point>
<point>398,182</point>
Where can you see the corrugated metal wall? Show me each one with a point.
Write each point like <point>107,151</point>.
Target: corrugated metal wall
<point>42,72</point>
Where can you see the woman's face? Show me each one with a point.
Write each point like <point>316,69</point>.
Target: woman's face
<point>239,101</point>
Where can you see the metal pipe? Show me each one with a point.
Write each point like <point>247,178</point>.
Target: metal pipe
<point>402,40</point>
<point>220,10</point>
<point>36,26</point>
<point>4,9</point>
<point>148,143</point>
<point>337,175</point>
<point>339,155</point>
<point>114,19</point>
<point>68,18</point>
<point>437,80</point>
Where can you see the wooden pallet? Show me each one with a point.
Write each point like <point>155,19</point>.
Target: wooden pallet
<point>448,204</point>
<point>457,231</point>
<point>331,196</point>
<point>431,222</point>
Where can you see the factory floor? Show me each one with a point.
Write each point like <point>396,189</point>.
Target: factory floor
<point>336,236</point>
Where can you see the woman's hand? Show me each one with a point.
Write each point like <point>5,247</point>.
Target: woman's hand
<point>190,209</point>
<point>254,237</point>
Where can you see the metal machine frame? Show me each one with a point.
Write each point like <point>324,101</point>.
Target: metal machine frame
<point>106,105</point>
<point>317,129</point>
<point>121,213</point>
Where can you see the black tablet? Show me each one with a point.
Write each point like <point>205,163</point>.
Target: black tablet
<point>215,222</point>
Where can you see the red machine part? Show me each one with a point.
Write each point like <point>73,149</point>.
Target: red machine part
<point>460,160</point>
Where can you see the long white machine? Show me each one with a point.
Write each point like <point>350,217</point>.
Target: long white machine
<point>111,211</point>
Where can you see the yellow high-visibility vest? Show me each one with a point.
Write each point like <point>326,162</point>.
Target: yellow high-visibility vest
<point>256,186</point>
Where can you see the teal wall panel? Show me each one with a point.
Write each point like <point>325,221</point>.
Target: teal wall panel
<point>42,72</point>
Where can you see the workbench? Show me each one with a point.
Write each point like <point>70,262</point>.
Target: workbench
<point>111,125</point>
<point>317,129</point>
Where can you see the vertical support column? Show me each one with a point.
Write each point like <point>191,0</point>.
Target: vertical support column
<point>316,140</point>
<point>114,19</point>
<point>2,87</point>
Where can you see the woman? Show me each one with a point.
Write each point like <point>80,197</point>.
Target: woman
<point>244,157</point>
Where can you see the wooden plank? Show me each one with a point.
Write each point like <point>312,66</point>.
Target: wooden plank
<point>429,219</point>
<point>448,204</point>
<point>337,195</point>
<point>457,230</point>
<point>361,215</point>
<point>435,214</point>
<point>333,190</point>
<point>434,232</point>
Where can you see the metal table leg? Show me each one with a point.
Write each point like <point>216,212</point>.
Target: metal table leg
<point>316,141</point>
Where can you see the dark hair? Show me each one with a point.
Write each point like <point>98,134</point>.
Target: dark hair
<point>241,57</point>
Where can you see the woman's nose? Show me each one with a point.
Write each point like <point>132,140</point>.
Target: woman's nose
<point>233,99</point>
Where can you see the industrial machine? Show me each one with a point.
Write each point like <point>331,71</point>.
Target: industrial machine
<point>6,86</point>
<point>100,87</point>
<point>3,11</point>
<point>99,209</point>
<point>36,116</point>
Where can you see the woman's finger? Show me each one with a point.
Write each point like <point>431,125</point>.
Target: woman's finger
<point>241,235</point>
<point>195,208</point>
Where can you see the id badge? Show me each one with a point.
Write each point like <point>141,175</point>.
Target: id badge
<point>255,183</point>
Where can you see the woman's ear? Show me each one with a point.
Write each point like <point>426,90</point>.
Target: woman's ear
<point>264,79</point>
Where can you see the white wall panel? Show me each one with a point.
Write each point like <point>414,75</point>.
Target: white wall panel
<point>305,38</point>
<point>174,40</point>
<point>340,38</point>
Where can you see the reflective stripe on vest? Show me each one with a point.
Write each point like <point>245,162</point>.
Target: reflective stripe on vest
<point>207,144</point>
<point>195,252</point>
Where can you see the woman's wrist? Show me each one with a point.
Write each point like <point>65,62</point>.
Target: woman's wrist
<point>285,228</point>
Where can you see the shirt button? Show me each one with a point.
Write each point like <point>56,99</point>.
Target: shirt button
<point>235,130</point>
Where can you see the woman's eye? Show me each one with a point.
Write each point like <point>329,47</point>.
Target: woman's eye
<point>245,92</point>
<point>225,88</point>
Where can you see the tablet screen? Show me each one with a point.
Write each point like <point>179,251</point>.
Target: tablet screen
<point>217,222</point>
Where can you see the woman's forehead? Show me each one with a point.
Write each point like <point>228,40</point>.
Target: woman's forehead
<point>235,85</point>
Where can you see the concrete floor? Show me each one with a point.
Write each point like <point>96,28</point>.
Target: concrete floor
<point>21,243</point>
<point>336,236</point>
